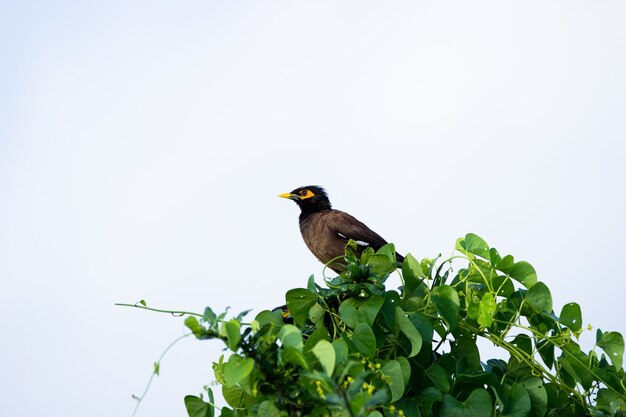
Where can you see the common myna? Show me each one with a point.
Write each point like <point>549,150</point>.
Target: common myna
<point>326,231</point>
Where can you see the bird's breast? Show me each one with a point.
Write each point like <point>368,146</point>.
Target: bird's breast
<point>320,238</point>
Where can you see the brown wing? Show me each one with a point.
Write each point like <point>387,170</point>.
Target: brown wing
<point>347,227</point>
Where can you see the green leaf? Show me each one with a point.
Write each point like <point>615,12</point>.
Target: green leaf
<point>269,317</point>
<point>446,300</point>
<point>486,310</point>
<point>395,380</point>
<point>427,398</point>
<point>196,328</point>
<point>227,412</point>
<point>389,251</point>
<point>157,368</point>
<point>325,353</point>
<point>576,363</point>
<point>524,343</point>
<point>242,315</point>
<point>546,351</point>
<point>233,334</point>
<point>478,378</point>
<point>290,336</point>
<point>299,302</point>
<point>237,369</point>
<point>543,321</point>
<point>523,272</point>
<point>405,366</point>
<point>341,350</point>
<point>610,378</point>
<point>494,257</point>
<point>364,340</point>
<point>209,316</point>
<point>571,317</point>
<point>516,402</point>
<point>538,396</point>
<point>610,401</point>
<point>196,407</point>
<point>233,394</point>
<point>473,306</point>
<point>408,329</point>
<point>392,299</point>
<point>466,352</point>
<point>223,314</point>
<point>506,264</point>
<point>209,392</point>
<point>412,273</point>
<point>518,369</point>
<point>439,377</point>
<point>316,313</point>
<point>295,357</point>
<point>478,404</point>
<point>353,311</point>
<point>358,403</point>
<point>348,312</point>
<point>381,265</point>
<point>476,245</point>
<point>268,409</point>
<point>613,344</point>
<point>424,327</point>
<point>320,333</point>
<point>538,299</point>
<point>218,370</point>
<point>504,285</point>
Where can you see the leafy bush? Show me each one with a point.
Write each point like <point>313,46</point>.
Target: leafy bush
<point>355,349</point>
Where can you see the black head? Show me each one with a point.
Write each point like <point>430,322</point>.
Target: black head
<point>310,198</point>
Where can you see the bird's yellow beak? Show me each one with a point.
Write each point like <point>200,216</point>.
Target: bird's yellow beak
<point>289,196</point>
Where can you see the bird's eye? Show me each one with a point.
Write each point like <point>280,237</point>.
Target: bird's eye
<point>306,194</point>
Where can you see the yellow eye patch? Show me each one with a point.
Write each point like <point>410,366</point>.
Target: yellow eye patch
<point>304,194</point>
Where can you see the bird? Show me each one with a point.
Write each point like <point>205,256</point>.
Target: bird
<point>326,231</point>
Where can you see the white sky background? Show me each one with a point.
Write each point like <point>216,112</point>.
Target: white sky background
<point>142,146</point>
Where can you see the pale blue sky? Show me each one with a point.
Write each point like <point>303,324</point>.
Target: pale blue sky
<point>142,146</point>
